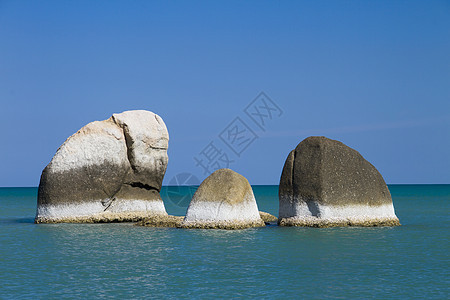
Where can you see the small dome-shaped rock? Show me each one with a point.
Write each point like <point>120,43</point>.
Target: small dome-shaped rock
<point>223,200</point>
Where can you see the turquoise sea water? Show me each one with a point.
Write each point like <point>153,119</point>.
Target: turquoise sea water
<point>124,261</point>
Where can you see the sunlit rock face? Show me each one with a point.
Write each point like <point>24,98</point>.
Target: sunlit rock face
<point>108,171</point>
<point>326,183</point>
<point>224,200</point>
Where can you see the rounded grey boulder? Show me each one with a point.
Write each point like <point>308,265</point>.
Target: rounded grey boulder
<point>109,170</point>
<point>223,200</point>
<point>326,183</point>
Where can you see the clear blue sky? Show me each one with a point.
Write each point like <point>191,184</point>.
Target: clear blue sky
<point>372,74</point>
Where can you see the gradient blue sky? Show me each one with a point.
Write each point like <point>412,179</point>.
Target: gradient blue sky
<point>372,74</point>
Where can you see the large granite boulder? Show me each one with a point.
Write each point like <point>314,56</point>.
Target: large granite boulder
<point>326,183</point>
<point>109,170</point>
<point>224,200</point>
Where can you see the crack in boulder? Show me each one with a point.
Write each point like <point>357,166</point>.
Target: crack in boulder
<point>108,202</point>
<point>142,186</point>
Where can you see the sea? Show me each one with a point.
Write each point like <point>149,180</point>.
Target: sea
<point>120,260</point>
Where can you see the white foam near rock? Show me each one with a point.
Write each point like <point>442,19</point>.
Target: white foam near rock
<point>223,212</point>
<point>312,213</point>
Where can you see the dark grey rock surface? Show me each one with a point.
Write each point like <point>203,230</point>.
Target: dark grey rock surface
<point>321,172</point>
<point>330,172</point>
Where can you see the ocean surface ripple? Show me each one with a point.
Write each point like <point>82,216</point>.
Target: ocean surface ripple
<point>124,261</point>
